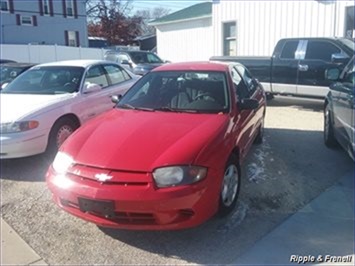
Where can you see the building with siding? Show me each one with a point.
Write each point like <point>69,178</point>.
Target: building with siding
<point>61,22</point>
<point>248,28</point>
<point>185,35</point>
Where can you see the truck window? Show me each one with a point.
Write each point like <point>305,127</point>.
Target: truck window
<point>289,49</point>
<point>320,50</point>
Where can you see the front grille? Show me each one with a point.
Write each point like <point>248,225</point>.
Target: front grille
<point>119,217</point>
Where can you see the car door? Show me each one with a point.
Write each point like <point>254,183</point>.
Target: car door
<point>343,107</point>
<point>285,67</point>
<point>94,102</point>
<point>119,79</point>
<point>311,68</point>
<point>247,117</point>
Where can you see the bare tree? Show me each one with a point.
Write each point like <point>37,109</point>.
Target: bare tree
<point>149,15</point>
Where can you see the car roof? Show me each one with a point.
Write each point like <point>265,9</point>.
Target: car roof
<point>194,66</point>
<point>13,64</point>
<point>78,63</point>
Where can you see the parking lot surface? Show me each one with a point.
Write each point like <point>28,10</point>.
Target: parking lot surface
<point>280,177</point>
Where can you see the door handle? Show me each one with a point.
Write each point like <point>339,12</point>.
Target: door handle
<point>303,67</point>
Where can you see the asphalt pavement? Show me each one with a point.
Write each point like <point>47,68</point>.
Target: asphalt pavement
<point>320,233</point>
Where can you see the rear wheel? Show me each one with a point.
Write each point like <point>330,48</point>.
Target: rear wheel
<point>329,138</point>
<point>60,131</point>
<point>230,187</point>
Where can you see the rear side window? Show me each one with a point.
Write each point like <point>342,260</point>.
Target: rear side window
<point>318,50</point>
<point>96,75</point>
<point>289,50</point>
<point>116,74</point>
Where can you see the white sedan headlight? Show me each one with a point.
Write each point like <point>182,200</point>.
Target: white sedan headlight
<point>62,162</point>
<point>178,175</point>
<point>18,126</point>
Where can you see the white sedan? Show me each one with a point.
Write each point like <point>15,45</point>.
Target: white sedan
<point>44,105</point>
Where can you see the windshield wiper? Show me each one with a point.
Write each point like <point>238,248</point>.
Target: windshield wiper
<point>169,109</point>
<point>128,106</point>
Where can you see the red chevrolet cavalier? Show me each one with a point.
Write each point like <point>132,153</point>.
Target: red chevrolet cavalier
<point>168,155</point>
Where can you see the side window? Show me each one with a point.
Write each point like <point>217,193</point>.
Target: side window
<point>320,50</point>
<point>289,50</point>
<point>115,74</point>
<point>240,87</point>
<point>96,75</point>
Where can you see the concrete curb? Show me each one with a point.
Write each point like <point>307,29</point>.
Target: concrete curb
<point>14,250</point>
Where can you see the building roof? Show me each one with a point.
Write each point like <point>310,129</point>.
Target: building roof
<point>192,12</point>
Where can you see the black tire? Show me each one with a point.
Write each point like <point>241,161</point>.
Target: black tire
<point>260,137</point>
<point>329,138</point>
<point>227,202</point>
<point>64,126</point>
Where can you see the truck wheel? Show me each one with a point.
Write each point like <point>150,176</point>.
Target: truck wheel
<point>60,131</point>
<point>230,187</point>
<point>329,138</point>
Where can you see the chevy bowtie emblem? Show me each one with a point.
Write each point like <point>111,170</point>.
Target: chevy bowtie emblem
<point>103,177</point>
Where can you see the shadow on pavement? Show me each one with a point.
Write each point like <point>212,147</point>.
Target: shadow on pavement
<point>310,104</point>
<point>25,169</point>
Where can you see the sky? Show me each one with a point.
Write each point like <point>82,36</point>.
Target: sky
<point>172,5</point>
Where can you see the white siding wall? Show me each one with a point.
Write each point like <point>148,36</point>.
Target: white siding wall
<point>185,41</point>
<point>47,53</point>
<point>260,24</point>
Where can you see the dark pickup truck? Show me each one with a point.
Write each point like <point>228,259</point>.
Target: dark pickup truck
<point>298,65</point>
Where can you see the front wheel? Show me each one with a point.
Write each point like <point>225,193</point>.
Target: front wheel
<point>60,131</point>
<point>329,138</point>
<point>230,187</point>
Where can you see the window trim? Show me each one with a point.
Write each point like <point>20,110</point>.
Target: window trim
<point>71,2</point>
<point>8,6</point>
<point>224,39</point>
<point>49,8</point>
<point>24,24</point>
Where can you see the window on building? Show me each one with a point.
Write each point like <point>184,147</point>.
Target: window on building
<point>72,40</point>
<point>230,39</point>
<point>4,5</point>
<point>69,8</point>
<point>46,7</point>
<point>26,20</point>
<point>321,50</point>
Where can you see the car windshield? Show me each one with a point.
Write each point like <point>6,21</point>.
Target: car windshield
<point>179,91</point>
<point>145,58</point>
<point>47,80</point>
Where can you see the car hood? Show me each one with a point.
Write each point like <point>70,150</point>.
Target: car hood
<point>16,106</point>
<point>141,141</point>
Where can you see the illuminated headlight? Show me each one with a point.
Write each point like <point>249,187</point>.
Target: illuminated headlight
<point>18,126</point>
<point>62,162</point>
<point>178,175</point>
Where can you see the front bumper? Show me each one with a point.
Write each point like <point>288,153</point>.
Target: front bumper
<point>23,144</point>
<point>140,205</point>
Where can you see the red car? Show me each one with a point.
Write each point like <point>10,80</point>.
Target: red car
<point>168,155</point>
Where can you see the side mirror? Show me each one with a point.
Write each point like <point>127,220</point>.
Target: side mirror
<point>248,104</point>
<point>332,74</point>
<point>339,58</point>
<point>116,98</point>
<point>91,87</point>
